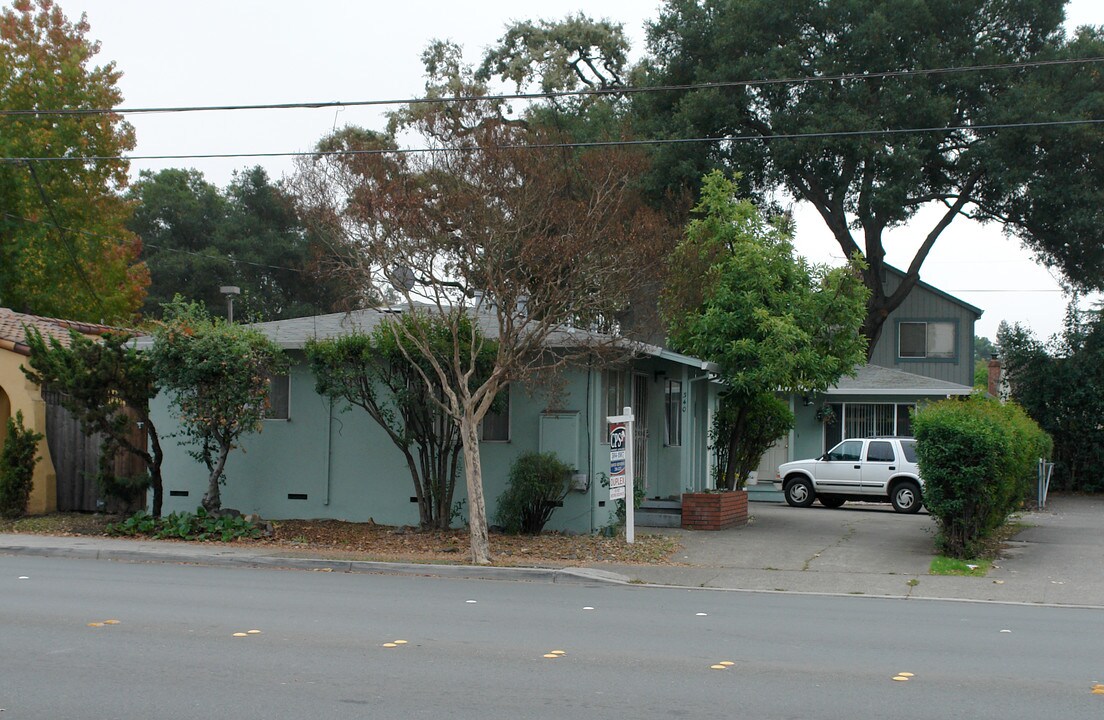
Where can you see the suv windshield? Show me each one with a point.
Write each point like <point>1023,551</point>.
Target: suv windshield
<point>908,447</point>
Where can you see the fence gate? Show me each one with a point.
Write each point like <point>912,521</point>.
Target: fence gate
<point>76,459</point>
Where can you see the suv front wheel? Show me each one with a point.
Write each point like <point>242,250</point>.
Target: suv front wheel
<point>799,493</point>
<point>906,497</point>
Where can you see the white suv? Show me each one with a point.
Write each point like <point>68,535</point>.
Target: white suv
<point>877,469</point>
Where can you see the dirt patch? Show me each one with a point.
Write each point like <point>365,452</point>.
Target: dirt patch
<point>369,541</point>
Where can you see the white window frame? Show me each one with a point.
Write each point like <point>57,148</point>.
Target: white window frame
<point>672,421</point>
<point>931,336</point>
<point>269,408</point>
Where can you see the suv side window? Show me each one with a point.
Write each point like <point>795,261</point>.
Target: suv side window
<point>908,447</point>
<point>879,451</point>
<point>848,450</point>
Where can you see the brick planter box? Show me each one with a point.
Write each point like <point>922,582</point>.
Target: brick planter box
<point>715,510</point>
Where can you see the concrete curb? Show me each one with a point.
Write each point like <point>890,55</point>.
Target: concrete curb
<point>469,572</point>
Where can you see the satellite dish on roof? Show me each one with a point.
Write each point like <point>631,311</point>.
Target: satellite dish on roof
<point>402,278</point>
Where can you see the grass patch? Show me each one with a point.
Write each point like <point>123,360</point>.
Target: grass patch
<point>941,565</point>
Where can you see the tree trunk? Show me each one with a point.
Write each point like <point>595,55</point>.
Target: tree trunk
<point>477,509</point>
<point>212,501</point>
<point>156,457</point>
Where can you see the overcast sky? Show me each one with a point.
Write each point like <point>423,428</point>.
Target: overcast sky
<point>212,52</point>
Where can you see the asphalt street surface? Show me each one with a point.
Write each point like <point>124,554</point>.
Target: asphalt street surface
<point>103,639</point>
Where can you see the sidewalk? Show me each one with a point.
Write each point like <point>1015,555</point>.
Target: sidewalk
<point>857,550</point>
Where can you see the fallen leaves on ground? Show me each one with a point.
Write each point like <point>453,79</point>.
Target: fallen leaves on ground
<point>369,541</point>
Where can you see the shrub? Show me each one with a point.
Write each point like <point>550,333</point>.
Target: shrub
<point>978,460</point>
<point>17,463</point>
<point>538,484</point>
<point>199,525</point>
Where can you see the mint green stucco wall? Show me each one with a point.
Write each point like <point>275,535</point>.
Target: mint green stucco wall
<point>348,468</point>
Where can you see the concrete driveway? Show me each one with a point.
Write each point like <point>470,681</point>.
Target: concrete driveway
<point>867,549</point>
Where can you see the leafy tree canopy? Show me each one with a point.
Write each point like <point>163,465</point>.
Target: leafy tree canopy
<point>740,297</point>
<point>1042,184</point>
<point>216,375</point>
<point>65,250</point>
<point>197,238</point>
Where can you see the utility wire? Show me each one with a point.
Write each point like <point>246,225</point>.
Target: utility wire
<point>589,92</point>
<point>589,144</point>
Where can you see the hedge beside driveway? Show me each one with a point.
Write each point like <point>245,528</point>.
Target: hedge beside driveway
<point>978,458</point>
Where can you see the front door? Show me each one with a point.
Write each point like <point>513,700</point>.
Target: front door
<point>640,430</point>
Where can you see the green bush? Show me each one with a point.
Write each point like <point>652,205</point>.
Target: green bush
<point>538,484</point>
<point>200,525</point>
<point>978,460</point>
<point>17,463</point>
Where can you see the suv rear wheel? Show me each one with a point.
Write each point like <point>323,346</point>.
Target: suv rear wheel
<point>906,497</point>
<point>799,493</point>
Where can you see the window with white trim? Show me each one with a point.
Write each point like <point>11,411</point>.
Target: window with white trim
<point>921,340</point>
<point>617,397</point>
<point>863,420</point>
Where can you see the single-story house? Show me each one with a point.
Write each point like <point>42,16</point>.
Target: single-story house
<point>314,460</point>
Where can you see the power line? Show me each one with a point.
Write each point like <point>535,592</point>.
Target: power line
<point>589,92</point>
<point>551,146</point>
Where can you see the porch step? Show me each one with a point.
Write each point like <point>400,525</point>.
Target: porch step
<point>658,513</point>
<point>764,493</point>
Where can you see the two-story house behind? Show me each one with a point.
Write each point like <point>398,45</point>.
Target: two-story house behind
<point>925,352</point>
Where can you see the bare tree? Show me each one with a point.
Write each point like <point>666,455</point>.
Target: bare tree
<point>540,244</point>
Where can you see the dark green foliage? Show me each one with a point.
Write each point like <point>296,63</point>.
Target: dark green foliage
<point>216,377</point>
<point>978,459</point>
<point>538,484</point>
<point>17,463</point>
<point>381,373</point>
<point>196,238</point>
<point>200,525</point>
<point>107,385</point>
<point>1044,185</point>
<point>738,296</point>
<point>1061,386</point>
<point>743,431</point>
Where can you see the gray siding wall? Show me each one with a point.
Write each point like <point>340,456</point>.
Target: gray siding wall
<point>924,305</point>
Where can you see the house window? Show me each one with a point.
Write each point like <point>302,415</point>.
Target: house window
<point>616,398</point>
<point>862,420</point>
<point>921,340</point>
<point>496,423</point>
<point>672,403</point>
<point>279,397</point>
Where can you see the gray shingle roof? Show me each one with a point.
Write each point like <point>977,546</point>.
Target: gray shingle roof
<point>877,380</point>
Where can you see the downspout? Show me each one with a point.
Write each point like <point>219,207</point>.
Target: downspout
<point>329,454</point>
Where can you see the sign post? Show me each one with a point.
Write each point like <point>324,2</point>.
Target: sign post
<point>621,466</point>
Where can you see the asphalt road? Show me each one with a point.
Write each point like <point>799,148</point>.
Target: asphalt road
<point>476,649</point>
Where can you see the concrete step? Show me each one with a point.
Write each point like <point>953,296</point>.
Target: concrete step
<point>658,513</point>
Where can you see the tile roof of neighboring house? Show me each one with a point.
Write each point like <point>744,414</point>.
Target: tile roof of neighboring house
<point>13,329</point>
<point>877,380</point>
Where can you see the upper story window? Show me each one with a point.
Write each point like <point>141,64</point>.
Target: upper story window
<point>922,340</point>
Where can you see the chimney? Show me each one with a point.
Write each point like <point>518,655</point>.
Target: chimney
<point>994,375</point>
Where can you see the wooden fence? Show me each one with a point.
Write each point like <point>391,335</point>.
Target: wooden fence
<point>76,459</point>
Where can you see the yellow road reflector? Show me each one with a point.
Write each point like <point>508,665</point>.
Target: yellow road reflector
<point>1098,689</point>
<point>390,645</point>
<point>726,663</point>
<point>551,655</point>
<point>110,622</point>
<point>906,674</point>
<point>95,624</point>
<point>253,632</point>
<point>557,652</point>
<point>900,678</point>
<point>717,667</point>
<point>399,642</point>
<point>240,635</point>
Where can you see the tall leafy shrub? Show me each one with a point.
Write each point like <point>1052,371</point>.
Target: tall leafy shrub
<point>17,463</point>
<point>538,484</point>
<point>977,458</point>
